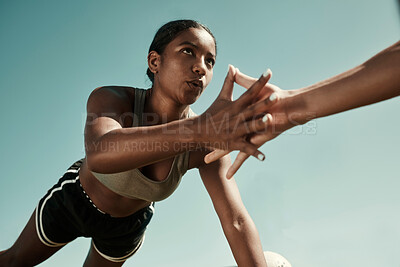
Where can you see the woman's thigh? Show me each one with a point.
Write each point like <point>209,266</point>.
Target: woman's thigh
<point>28,250</point>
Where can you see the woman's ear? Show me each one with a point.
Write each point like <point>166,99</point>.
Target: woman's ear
<point>153,61</point>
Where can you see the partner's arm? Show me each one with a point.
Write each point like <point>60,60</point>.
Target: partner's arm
<point>375,80</point>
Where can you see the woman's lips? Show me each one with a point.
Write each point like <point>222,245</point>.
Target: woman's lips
<point>196,85</point>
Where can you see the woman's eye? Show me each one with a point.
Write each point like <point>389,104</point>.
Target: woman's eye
<point>187,51</point>
<point>211,61</point>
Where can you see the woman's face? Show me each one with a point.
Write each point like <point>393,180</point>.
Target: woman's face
<point>186,66</point>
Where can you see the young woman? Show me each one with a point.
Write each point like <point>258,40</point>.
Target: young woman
<point>138,144</point>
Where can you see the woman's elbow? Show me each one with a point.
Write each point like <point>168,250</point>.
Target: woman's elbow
<point>94,158</point>
<point>238,223</point>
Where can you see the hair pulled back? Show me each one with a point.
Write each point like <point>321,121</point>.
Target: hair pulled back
<point>168,32</point>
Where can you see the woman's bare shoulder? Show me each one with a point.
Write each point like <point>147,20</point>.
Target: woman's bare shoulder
<point>113,91</point>
<point>111,97</point>
<point>111,101</point>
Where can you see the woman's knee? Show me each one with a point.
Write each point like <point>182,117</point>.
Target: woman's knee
<point>8,258</point>
<point>27,250</point>
<point>21,257</point>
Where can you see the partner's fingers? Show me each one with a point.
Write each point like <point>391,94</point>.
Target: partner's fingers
<point>243,79</point>
<point>247,81</point>
<point>248,97</point>
<point>227,88</point>
<point>240,159</point>
<point>215,155</point>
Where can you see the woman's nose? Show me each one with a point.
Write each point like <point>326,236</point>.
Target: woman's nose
<point>200,68</point>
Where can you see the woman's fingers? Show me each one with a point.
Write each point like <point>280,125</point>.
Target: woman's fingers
<point>215,155</point>
<point>257,126</point>
<point>241,157</point>
<point>251,150</point>
<point>254,126</point>
<point>243,146</point>
<point>251,122</point>
<point>245,127</point>
<point>227,88</point>
<point>260,139</point>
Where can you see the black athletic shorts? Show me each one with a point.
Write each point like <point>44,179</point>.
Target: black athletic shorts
<point>66,212</point>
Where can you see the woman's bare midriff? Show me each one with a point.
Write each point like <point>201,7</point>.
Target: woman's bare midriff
<point>105,199</point>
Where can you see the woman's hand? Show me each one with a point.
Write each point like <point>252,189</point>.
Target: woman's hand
<point>270,100</point>
<point>226,123</point>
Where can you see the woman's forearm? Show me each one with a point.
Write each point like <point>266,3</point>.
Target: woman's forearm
<point>376,80</point>
<point>223,125</point>
<point>244,240</point>
<point>134,147</point>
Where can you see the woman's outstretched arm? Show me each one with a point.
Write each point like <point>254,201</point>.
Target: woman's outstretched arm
<point>238,227</point>
<point>375,80</point>
<point>111,146</point>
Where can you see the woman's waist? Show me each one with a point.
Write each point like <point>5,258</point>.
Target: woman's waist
<point>107,200</point>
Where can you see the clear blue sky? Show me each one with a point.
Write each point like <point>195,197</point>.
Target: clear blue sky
<point>327,194</point>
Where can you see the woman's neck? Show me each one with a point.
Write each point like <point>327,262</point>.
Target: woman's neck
<point>162,109</point>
